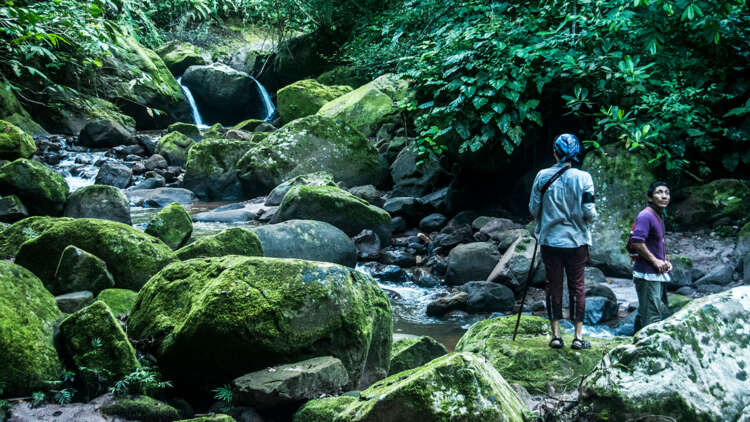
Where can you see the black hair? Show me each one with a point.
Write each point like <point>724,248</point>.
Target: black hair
<point>655,185</point>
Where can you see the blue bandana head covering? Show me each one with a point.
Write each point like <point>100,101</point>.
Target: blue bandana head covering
<point>567,147</point>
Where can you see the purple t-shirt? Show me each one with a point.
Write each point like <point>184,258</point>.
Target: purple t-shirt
<point>648,229</point>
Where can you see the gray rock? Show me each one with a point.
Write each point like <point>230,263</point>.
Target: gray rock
<point>424,278</point>
<point>411,352</point>
<point>80,270</point>
<point>721,275</point>
<point>496,229</point>
<point>746,268</point>
<point>307,239</point>
<point>153,181</point>
<point>598,310</point>
<point>12,209</point>
<point>291,384</point>
<point>72,302</point>
<point>114,174</point>
<point>147,142</point>
<point>412,209</point>
<point>480,222</point>
<point>410,179</point>
<point>98,201</point>
<point>440,200</point>
<point>398,224</point>
<point>514,265</point>
<point>400,258</point>
<point>223,94</point>
<point>485,296</point>
<point>449,237</point>
<point>160,197</point>
<point>387,273</point>
<point>471,261</point>
<point>682,271</point>
<point>155,161</point>
<point>232,213</point>
<point>453,302</point>
<point>432,222</point>
<point>593,275</point>
<point>367,244</point>
<point>105,134</point>
<point>369,193</point>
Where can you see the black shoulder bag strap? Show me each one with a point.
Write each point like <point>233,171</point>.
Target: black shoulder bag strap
<point>530,274</point>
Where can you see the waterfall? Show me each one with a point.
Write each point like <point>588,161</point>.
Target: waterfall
<point>270,108</point>
<point>197,119</point>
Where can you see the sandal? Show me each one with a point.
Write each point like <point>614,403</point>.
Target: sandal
<point>579,343</point>
<point>556,343</point>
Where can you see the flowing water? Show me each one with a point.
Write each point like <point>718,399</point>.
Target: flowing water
<point>197,119</point>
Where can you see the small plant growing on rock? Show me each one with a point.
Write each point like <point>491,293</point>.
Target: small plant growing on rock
<point>224,395</point>
<point>144,380</point>
<point>37,398</point>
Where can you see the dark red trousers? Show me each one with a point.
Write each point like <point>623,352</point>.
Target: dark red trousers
<point>573,261</point>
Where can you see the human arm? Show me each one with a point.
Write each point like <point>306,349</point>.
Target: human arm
<point>535,201</point>
<point>587,199</point>
<point>642,250</point>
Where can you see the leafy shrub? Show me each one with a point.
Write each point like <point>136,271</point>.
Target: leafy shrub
<point>144,380</point>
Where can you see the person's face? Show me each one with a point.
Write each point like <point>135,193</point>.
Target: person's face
<point>660,198</point>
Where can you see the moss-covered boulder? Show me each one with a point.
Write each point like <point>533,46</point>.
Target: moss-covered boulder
<point>705,204</point>
<point>456,387</point>
<point>174,147</point>
<point>344,75</point>
<point>305,97</point>
<point>79,270</point>
<point>232,241</point>
<point>14,142</point>
<point>178,56</point>
<point>26,124</point>
<point>188,129</point>
<point>248,125</point>
<point>95,343</point>
<point>11,238</point>
<point>262,312</point>
<point>369,105</point>
<point>70,111</point>
<point>99,201</point>
<point>141,408</point>
<point>211,172</point>
<point>335,206</point>
<point>120,301</point>
<point>172,225</point>
<point>28,314</point>
<point>131,255</point>
<point>41,189</point>
<point>691,366</point>
<point>529,361</point>
<point>411,352</point>
<point>13,112</point>
<point>320,178</point>
<point>310,144</point>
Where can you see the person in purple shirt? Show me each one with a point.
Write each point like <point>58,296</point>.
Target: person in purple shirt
<point>652,267</point>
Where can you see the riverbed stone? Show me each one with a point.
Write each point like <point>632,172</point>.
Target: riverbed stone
<point>529,361</point>
<point>307,239</point>
<point>15,235</point>
<point>369,193</point>
<point>488,297</point>
<point>40,188</point>
<point>131,255</point>
<point>232,241</point>
<point>12,209</point>
<point>412,352</point>
<point>75,301</point>
<point>114,174</point>
<point>160,197</point>
<point>412,179</point>
<point>720,274</point>
<point>498,230</point>
<point>367,244</point>
<point>432,222</point>
<point>337,207</point>
<point>310,144</point>
<point>471,261</point>
<point>105,134</point>
<point>14,142</point>
<point>211,172</point>
<point>141,408</point>
<point>172,225</point>
<point>306,97</point>
<point>458,386</point>
<point>120,301</point>
<point>291,384</point>
<point>99,349</point>
<point>705,204</point>
<point>29,314</point>
<point>320,178</point>
<point>98,201</point>
<point>513,267</point>
<point>178,56</point>
<point>456,301</point>
<point>80,270</point>
<point>263,311</point>
<point>690,366</point>
<point>174,147</point>
<point>412,209</point>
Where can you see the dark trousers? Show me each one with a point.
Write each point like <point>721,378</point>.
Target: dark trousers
<point>573,261</point>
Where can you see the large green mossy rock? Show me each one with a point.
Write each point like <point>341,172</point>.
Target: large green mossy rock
<point>95,343</point>
<point>320,178</point>
<point>307,145</point>
<point>174,147</point>
<point>98,201</point>
<point>232,241</point>
<point>188,129</point>
<point>79,270</point>
<point>26,124</point>
<point>178,56</point>
<point>411,352</point>
<point>621,180</point>
<point>369,105</point>
<point>705,204</point>
<point>691,366</point>
<point>456,387</point>
<point>120,301</point>
<point>529,361</point>
<point>141,408</point>
<point>14,142</point>
<point>219,318</point>
<point>13,112</point>
<point>14,236</point>
<point>337,207</point>
<point>306,97</point>
<point>70,111</point>
<point>211,172</point>
<point>131,255</point>
<point>343,75</point>
<point>172,225</point>
<point>41,189</point>
<point>28,314</point>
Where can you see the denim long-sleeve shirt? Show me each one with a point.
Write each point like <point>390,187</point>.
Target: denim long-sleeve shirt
<point>568,208</point>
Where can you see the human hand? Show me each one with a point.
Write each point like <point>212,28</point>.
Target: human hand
<point>661,266</point>
<point>669,269</point>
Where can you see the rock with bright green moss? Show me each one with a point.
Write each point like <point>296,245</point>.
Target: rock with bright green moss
<point>215,131</point>
<point>11,238</point>
<point>98,201</point>
<point>369,105</point>
<point>691,366</point>
<point>212,418</point>
<point>335,206</point>
<point>459,386</point>
<point>120,301</point>
<point>28,314</point>
<point>529,361</point>
<point>411,352</point>
<point>26,124</point>
<point>211,170</point>
<point>188,129</point>
<point>80,270</point>
<point>131,255</point>
<point>174,147</point>
<point>95,343</point>
<point>172,225</point>
<point>14,142</point>
<point>343,75</point>
<point>705,204</point>
<point>262,312</point>
<point>310,144</point>
<point>12,209</point>
<point>13,112</point>
<point>306,97</point>
<point>232,241</point>
<point>320,178</point>
<point>40,188</point>
<point>248,125</point>
<point>69,111</point>
<point>178,56</point>
<point>141,408</point>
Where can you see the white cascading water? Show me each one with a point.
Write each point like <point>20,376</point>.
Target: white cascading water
<point>270,109</point>
<point>197,119</point>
